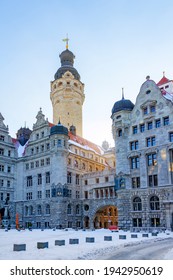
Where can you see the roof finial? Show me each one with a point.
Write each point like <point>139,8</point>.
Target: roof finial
<point>66,40</point>
<point>122,93</point>
<point>163,73</point>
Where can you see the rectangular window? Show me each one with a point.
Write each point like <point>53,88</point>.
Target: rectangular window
<point>9,169</point>
<point>32,165</point>
<point>2,196</point>
<point>77,179</point>
<point>134,145</point>
<point>39,194</point>
<point>86,194</point>
<point>29,181</point>
<point>86,182</point>
<point>42,134</point>
<point>29,196</point>
<point>77,194</point>
<point>32,151</point>
<point>136,182</point>
<point>39,179</point>
<point>1,168</point>
<point>134,162</point>
<point>47,161</point>
<point>2,138</point>
<point>142,127</point>
<point>152,109</point>
<point>1,152</point>
<point>59,143</point>
<point>47,177</point>
<point>97,180</point>
<point>42,162</point>
<point>37,163</point>
<point>145,111</point>
<point>48,146</point>
<point>47,193</point>
<point>135,129</point>
<point>150,125</point>
<point>171,136</point>
<point>157,123</point>
<point>69,177</point>
<point>152,160</point>
<point>151,141</point>
<point>106,179</point>
<point>8,183</point>
<point>42,148</point>
<point>9,153</point>
<point>1,182</point>
<point>166,121</point>
<point>8,196</point>
<point>27,166</point>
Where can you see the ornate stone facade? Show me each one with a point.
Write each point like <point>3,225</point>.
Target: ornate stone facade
<point>143,147</point>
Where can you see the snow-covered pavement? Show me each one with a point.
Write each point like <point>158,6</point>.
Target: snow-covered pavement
<point>83,250</point>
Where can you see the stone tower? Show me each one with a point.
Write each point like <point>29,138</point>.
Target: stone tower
<point>67,94</point>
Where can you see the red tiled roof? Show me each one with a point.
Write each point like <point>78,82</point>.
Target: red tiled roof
<point>163,81</point>
<point>81,141</point>
<point>84,142</point>
<point>51,124</point>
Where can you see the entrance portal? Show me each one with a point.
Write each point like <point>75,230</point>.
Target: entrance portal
<point>106,216</point>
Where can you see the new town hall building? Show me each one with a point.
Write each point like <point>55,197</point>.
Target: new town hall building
<point>51,176</point>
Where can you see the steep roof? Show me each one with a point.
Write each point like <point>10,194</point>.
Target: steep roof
<point>163,81</point>
<point>85,143</point>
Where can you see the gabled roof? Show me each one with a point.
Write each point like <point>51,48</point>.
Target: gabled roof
<point>163,81</point>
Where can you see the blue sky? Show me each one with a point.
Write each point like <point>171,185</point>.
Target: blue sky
<point>116,44</point>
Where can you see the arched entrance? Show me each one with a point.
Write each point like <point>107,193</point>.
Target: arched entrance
<point>106,216</point>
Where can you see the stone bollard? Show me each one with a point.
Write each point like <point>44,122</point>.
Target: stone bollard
<point>73,241</point>
<point>107,238</point>
<point>19,247</point>
<point>90,239</point>
<point>42,245</point>
<point>145,235</point>
<point>59,242</point>
<point>134,236</point>
<point>122,236</point>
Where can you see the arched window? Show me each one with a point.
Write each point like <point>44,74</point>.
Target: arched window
<point>39,210</point>
<point>120,132</point>
<point>30,210</point>
<point>47,209</point>
<point>137,204</point>
<point>69,209</point>
<point>154,203</point>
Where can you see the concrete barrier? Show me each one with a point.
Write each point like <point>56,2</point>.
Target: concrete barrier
<point>134,236</point>
<point>42,245</point>
<point>74,241</point>
<point>107,238</point>
<point>145,235</point>
<point>19,247</point>
<point>122,236</point>
<point>90,239</point>
<point>59,242</point>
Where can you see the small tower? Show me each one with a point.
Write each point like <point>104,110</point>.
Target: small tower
<point>67,93</point>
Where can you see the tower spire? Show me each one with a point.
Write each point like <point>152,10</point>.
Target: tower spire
<point>66,40</point>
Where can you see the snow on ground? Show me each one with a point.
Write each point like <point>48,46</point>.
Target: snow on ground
<point>97,250</point>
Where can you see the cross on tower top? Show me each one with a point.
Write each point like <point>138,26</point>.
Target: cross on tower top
<point>66,40</point>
